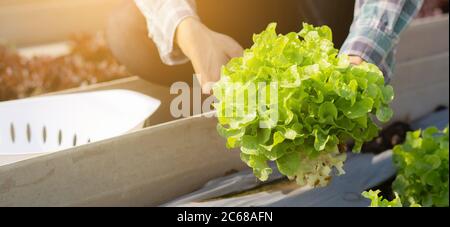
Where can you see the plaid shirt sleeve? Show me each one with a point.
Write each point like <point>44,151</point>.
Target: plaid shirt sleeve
<point>376,28</point>
<point>163,17</point>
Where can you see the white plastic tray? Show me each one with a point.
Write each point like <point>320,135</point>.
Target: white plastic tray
<point>47,124</point>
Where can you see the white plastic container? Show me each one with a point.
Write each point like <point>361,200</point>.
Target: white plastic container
<point>53,123</point>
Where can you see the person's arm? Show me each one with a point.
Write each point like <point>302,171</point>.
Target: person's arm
<point>180,36</point>
<point>163,18</point>
<point>375,31</point>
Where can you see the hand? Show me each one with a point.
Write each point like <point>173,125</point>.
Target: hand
<point>355,60</point>
<point>432,8</point>
<point>207,50</point>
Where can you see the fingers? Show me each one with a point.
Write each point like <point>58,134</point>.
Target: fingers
<point>208,52</point>
<point>205,84</point>
<point>199,73</point>
<point>234,49</point>
<point>207,88</point>
<point>212,75</point>
<point>231,49</point>
<point>355,60</point>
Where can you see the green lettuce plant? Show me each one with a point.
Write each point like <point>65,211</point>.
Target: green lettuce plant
<point>422,169</point>
<point>321,101</point>
<point>379,201</point>
<point>422,164</point>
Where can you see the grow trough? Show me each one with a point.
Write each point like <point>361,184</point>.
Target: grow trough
<point>363,171</point>
<point>157,164</point>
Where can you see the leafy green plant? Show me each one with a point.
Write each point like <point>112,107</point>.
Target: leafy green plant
<point>422,164</point>
<point>321,101</point>
<point>422,170</point>
<point>379,201</point>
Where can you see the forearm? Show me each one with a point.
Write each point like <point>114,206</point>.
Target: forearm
<point>163,18</point>
<point>376,29</point>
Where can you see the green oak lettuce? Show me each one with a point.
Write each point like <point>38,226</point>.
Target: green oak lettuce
<point>322,101</point>
<point>422,166</point>
<point>379,201</point>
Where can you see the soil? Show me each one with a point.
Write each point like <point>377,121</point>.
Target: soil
<point>386,189</point>
<point>390,136</point>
